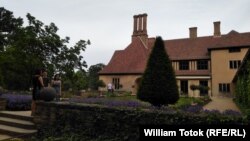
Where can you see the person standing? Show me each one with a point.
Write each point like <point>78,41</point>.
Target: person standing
<point>37,81</point>
<point>110,87</point>
<point>45,79</point>
<point>56,84</point>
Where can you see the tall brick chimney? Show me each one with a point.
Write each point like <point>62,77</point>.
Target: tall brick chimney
<point>140,27</point>
<point>192,32</point>
<point>217,29</point>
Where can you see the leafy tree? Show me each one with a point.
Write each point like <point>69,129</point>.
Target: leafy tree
<point>25,48</point>
<point>8,24</point>
<point>81,81</point>
<point>158,85</point>
<point>94,81</point>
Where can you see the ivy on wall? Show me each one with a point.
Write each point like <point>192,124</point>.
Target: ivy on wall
<point>242,91</point>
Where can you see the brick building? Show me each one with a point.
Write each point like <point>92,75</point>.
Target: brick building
<point>210,61</point>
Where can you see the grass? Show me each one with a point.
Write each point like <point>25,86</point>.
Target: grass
<point>186,101</point>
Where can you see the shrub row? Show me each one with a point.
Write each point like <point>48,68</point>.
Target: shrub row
<point>98,122</point>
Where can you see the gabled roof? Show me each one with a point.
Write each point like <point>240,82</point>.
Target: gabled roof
<point>130,60</point>
<point>133,59</point>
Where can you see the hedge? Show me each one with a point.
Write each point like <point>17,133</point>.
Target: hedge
<point>98,122</point>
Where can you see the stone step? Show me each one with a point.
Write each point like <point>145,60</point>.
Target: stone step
<point>17,123</point>
<point>21,115</point>
<point>15,131</point>
<point>4,137</point>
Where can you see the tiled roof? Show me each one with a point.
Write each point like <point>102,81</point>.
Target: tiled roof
<point>130,60</point>
<point>133,59</point>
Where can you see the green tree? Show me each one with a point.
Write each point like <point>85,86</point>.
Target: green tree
<point>8,24</point>
<point>81,81</point>
<point>36,45</point>
<point>158,85</point>
<point>94,81</point>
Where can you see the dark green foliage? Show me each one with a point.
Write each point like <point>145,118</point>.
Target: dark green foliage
<point>26,48</point>
<point>8,24</point>
<point>194,87</point>
<point>158,85</point>
<point>79,81</point>
<point>242,91</point>
<point>198,87</point>
<point>95,122</point>
<point>94,81</point>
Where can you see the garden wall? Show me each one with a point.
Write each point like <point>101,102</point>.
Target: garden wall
<point>95,121</point>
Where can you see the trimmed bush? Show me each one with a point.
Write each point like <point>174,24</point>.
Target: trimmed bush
<point>158,85</point>
<point>64,121</point>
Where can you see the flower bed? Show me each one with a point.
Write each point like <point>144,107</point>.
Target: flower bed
<point>183,105</point>
<point>17,102</point>
<point>110,102</point>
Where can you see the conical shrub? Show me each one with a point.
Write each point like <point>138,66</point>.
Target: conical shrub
<point>158,85</point>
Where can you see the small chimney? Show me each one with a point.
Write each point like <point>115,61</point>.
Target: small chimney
<point>217,29</point>
<point>192,32</point>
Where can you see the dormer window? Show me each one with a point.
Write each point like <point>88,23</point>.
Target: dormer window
<point>184,65</point>
<point>232,50</point>
<point>202,64</point>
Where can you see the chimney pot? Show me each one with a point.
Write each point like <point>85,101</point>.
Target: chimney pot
<point>140,25</point>
<point>140,28</point>
<point>193,32</point>
<point>217,29</point>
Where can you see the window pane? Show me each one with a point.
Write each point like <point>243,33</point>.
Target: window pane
<point>116,82</point>
<point>184,86</point>
<point>234,50</point>
<point>228,87</point>
<point>220,87</point>
<point>239,63</point>
<point>235,64</point>
<point>205,84</point>
<point>184,65</point>
<point>202,65</point>
<point>231,64</point>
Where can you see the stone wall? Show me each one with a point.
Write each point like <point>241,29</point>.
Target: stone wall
<point>3,103</point>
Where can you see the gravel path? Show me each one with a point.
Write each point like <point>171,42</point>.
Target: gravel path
<point>221,104</point>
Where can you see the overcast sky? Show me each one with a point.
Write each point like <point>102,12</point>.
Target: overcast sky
<point>108,24</point>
